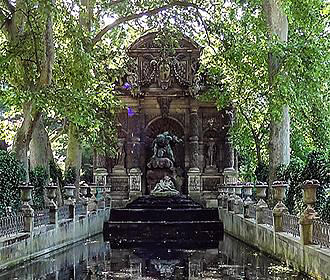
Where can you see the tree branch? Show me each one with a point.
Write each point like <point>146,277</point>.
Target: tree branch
<point>151,12</point>
<point>206,30</point>
<point>10,6</point>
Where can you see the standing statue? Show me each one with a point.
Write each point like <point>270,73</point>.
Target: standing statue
<point>211,153</point>
<point>120,158</point>
<point>163,155</point>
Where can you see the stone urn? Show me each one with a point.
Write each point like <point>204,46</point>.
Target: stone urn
<point>51,193</point>
<point>84,190</point>
<point>26,192</point>
<point>220,198</point>
<point>307,217</point>
<point>26,196</point>
<point>248,201</point>
<point>261,206</point>
<point>261,188</point>
<point>238,200</point>
<point>248,187</point>
<point>69,190</point>
<point>310,187</point>
<point>279,188</point>
<point>231,198</point>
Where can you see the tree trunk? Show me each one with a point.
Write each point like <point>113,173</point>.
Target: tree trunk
<point>73,156</point>
<point>279,146</point>
<point>24,135</point>
<point>39,147</point>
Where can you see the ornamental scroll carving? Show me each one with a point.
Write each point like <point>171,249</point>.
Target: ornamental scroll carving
<point>152,71</point>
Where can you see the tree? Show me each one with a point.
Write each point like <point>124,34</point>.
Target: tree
<point>257,72</point>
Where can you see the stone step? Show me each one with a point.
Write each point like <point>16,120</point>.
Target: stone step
<point>163,231</point>
<point>179,215</point>
<point>153,202</point>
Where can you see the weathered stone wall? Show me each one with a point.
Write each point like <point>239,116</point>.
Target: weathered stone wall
<point>41,243</point>
<point>308,258</point>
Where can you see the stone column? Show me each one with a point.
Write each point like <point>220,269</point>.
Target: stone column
<point>134,144</point>
<point>28,212</point>
<point>230,153</point>
<point>194,174</point>
<point>280,209</point>
<point>307,217</point>
<point>194,140</point>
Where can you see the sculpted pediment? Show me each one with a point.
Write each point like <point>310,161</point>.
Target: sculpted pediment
<point>153,71</point>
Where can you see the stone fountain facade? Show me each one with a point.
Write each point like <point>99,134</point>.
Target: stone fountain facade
<point>160,92</point>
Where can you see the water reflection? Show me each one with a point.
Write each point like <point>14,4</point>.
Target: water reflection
<point>95,259</point>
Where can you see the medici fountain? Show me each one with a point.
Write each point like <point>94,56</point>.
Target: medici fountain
<point>173,149</point>
<point>167,135</point>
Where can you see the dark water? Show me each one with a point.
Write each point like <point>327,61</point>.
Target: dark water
<point>94,259</point>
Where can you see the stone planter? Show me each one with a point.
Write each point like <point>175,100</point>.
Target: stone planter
<point>26,193</point>
<point>231,197</point>
<point>92,202</point>
<point>220,197</point>
<point>248,201</point>
<point>307,217</point>
<point>279,188</point>
<point>51,194</point>
<point>238,200</point>
<point>310,187</point>
<point>84,190</point>
<point>261,189</point>
<point>69,191</point>
<point>28,212</point>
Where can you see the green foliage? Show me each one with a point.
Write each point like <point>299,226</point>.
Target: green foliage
<point>55,174</point>
<point>262,172</point>
<point>317,166</point>
<point>70,175</point>
<point>39,179</point>
<point>11,174</point>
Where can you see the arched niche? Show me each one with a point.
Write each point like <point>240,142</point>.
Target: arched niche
<point>158,126</point>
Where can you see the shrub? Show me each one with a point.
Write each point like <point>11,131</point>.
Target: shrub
<point>315,167</point>
<point>38,178</point>
<point>11,174</point>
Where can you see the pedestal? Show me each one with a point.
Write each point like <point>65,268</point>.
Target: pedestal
<point>194,184</point>
<point>135,183</point>
<point>119,185</point>
<point>209,189</point>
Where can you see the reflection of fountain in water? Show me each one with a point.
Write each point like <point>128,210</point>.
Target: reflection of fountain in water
<point>165,267</point>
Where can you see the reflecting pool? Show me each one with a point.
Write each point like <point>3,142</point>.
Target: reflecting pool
<point>95,259</point>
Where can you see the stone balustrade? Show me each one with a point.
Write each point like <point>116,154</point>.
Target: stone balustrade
<point>29,220</point>
<point>301,241</point>
<point>308,228</point>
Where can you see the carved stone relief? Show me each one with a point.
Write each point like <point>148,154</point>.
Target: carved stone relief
<point>164,104</point>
